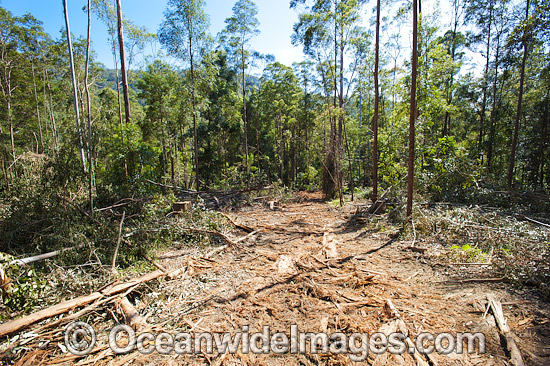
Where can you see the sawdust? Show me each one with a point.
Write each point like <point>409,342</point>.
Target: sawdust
<point>311,267</point>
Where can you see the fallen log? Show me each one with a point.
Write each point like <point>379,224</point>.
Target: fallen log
<point>131,315</point>
<point>505,332</point>
<point>26,321</point>
<point>402,328</point>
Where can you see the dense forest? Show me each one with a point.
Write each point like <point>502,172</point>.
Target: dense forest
<point>210,125</point>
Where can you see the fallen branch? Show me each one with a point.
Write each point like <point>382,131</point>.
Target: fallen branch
<point>236,224</point>
<point>505,332</point>
<point>402,327</point>
<point>113,266</point>
<point>36,258</point>
<point>248,236</point>
<point>215,233</point>
<point>26,321</point>
<point>131,315</point>
<point>536,222</point>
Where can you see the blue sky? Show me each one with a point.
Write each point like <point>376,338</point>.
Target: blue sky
<point>276,21</point>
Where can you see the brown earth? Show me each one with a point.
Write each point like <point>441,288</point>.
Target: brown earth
<point>313,266</point>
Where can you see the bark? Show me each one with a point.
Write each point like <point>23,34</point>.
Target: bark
<point>75,88</point>
<point>195,143</point>
<point>123,62</point>
<point>37,106</point>
<point>89,104</point>
<point>376,107</point>
<point>413,111</point>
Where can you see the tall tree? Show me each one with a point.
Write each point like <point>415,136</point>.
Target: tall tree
<point>89,114</point>
<point>183,32</point>
<point>413,111</point>
<point>329,25</point>
<point>525,44</point>
<point>376,106</point>
<point>123,62</point>
<point>241,28</point>
<point>75,88</point>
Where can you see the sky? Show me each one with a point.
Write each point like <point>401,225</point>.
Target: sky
<point>275,17</point>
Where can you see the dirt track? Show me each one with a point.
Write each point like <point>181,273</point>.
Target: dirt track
<point>309,265</point>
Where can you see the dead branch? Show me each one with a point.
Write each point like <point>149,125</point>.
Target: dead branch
<point>113,267</point>
<point>130,313</point>
<point>505,332</point>
<point>36,258</point>
<point>236,224</point>
<point>26,321</point>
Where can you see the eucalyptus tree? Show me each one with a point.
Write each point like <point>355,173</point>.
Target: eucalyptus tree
<point>239,31</point>
<point>183,32</point>
<point>525,40</point>
<point>329,26</point>
<point>125,91</point>
<point>74,85</point>
<point>413,110</point>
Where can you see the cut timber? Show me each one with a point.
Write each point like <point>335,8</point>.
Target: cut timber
<point>181,206</point>
<point>24,322</point>
<point>391,310</point>
<point>511,346</point>
<point>131,315</point>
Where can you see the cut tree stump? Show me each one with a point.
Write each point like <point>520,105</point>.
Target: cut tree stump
<point>181,206</point>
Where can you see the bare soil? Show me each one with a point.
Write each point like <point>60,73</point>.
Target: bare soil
<point>313,266</point>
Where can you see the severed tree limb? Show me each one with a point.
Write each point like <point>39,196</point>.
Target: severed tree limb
<point>402,327</point>
<point>113,267</point>
<point>131,315</point>
<point>36,258</point>
<point>505,332</point>
<point>236,224</point>
<point>26,321</point>
<point>215,233</point>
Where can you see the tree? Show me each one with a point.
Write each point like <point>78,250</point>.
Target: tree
<point>123,62</point>
<point>75,88</point>
<point>183,32</point>
<point>413,111</point>
<point>240,29</point>
<point>330,25</point>
<point>89,104</point>
<point>376,106</point>
<point>525,44</point>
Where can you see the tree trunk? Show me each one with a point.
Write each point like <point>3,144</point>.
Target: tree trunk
<point>520,100</point>
<point>376,106</point>
<point>37,106</point>
<point>492,121</point>
<point>89,104</point>
<point>447,122</point>
<point>75,89</point>
<point>485,84</point>
<point>52,115</point>
<point>244,119</point>
<point>123,62</point>
<point>413,111</point>
<point>195,143</point>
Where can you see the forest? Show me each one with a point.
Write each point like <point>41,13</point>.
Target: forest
<point>408,117</point>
